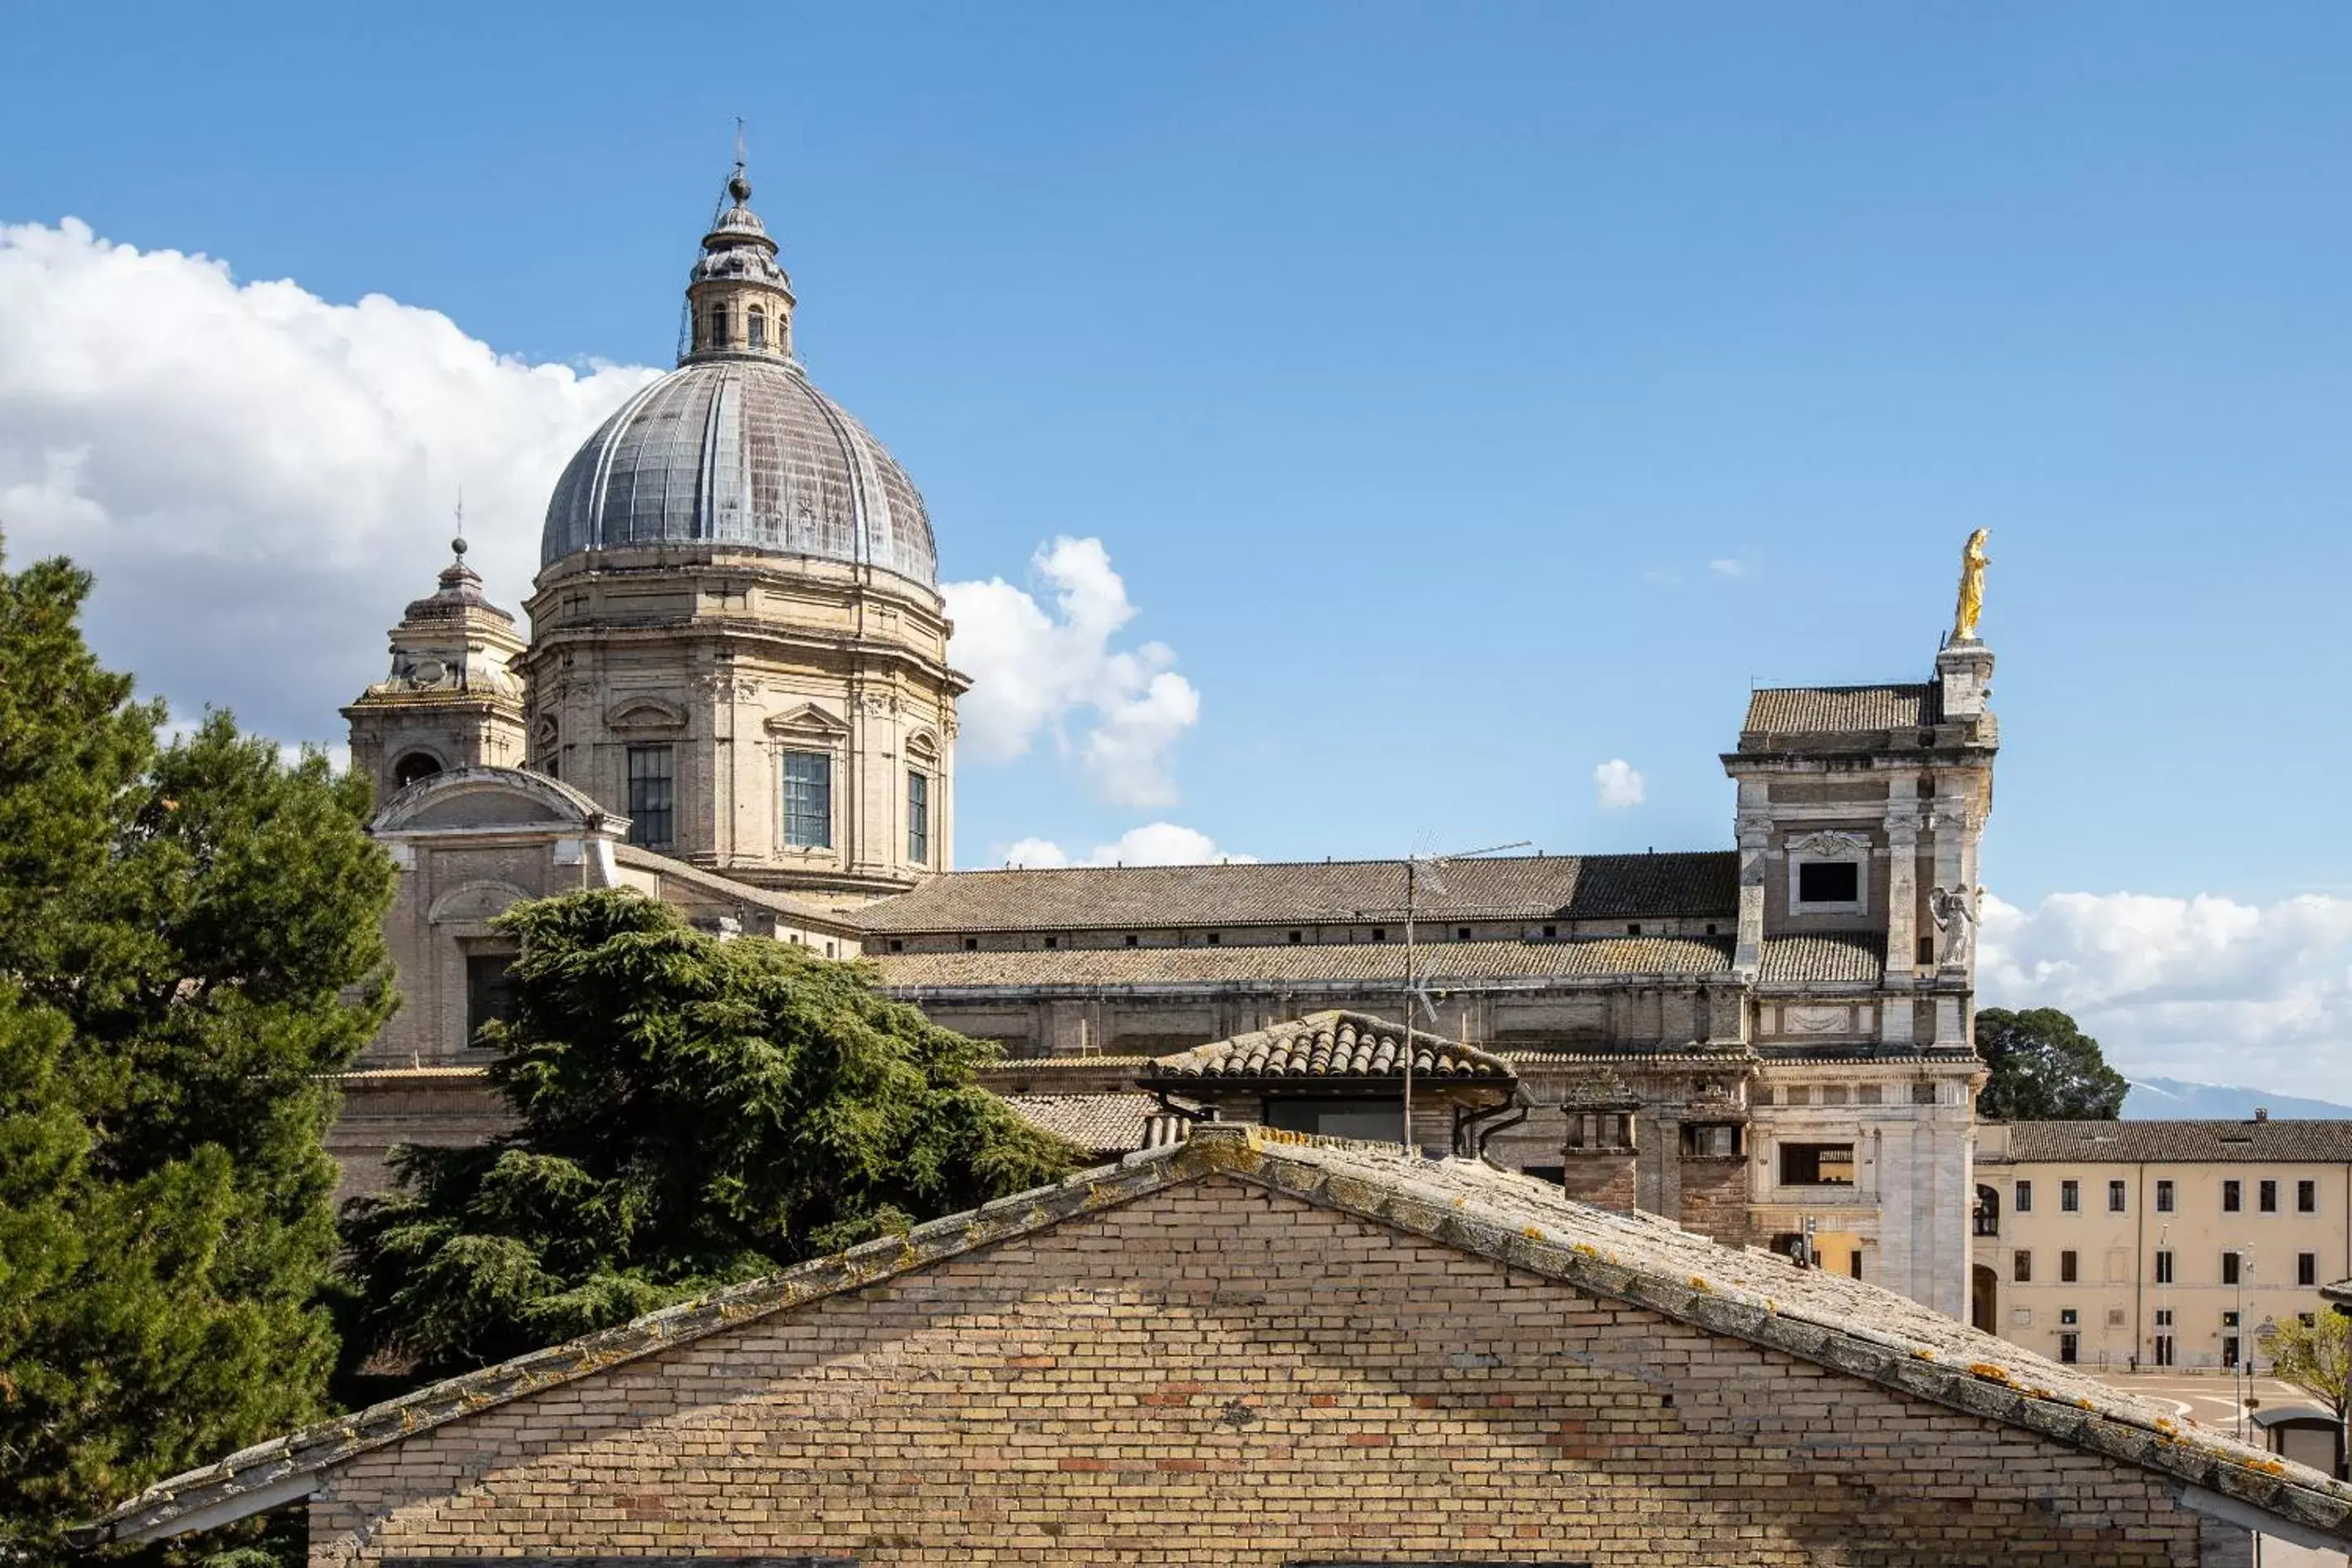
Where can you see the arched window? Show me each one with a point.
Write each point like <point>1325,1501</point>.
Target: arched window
<point>757,326</point>
<point>415,765</point>
<point>719,326</point>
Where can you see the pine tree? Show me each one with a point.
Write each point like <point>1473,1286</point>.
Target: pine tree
<point>2044,1069</point>
<point>190,939</point>
<point>689,1111</point>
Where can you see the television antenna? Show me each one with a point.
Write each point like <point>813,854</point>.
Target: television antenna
<point>1420,867</point>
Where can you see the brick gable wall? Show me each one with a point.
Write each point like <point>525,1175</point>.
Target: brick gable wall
<point>1215,1375</point>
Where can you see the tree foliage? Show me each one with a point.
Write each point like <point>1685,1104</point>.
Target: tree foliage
<point>2317,1357</point>
<point>189,937</point>
<point>689,1113</point>
<point>2044,1069</point>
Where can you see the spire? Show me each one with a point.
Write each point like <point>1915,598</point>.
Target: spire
<point>738,300</point>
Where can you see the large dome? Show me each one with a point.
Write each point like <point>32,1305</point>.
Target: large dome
<point>741,450</point>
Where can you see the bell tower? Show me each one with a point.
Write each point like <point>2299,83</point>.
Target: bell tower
<point>452,698</point>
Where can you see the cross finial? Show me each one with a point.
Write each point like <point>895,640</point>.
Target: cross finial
<point>459,544</point>
<point>738,186</point>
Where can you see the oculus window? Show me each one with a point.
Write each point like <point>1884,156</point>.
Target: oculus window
<point>808,800</point>
<point>651,801</point>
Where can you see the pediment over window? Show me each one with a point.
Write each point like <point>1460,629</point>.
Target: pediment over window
<point>475,901</point>
<point>807,720</point>
<point>923,746</point>
<point>645,713</point>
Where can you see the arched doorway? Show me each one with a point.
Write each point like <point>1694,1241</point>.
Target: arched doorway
<point>1984,1292</point>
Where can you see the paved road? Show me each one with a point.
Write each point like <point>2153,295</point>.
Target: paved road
<point>2213,1401</point>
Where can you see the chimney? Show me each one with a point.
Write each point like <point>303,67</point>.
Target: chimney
<point>2262,1113</point>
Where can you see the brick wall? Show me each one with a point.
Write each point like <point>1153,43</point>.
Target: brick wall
<point>1215,1375</point>
<point>1715,1201</point>
<point>1606,1180</point>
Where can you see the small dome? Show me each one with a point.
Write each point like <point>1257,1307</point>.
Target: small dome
<point>741,450</point>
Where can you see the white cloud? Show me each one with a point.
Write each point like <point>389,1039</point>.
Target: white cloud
<point>1620,784</point>
<point>1154,844</point>
<point>1119,711</point>
<point>259,477</point>
<point>2205,988</point>
<point>1727,567</point>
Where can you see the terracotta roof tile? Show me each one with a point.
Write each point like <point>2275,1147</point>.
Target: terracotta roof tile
<point>1110,1124</point>
<point>1856,959</point>
<point>1440,963</point>
<point>1332,1045</point>
<point>1520,887</point>
<point>1839,709</point>
<point>2179,1142</point>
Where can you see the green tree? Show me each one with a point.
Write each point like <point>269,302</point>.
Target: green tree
<point>2044,1069</point>
<point>688,1113</point>
<point>2316,1358</point>
<point>190,937</point>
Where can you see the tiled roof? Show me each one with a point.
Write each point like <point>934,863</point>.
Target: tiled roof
<point>1332,1045</point>
<point>1099,1123</point>
<point>2182,1142</point>
<point>1439,962</point>
<point>1518,886</point>
<point>1839,709</point>
<point>1860,958</point>
<point>1854,1330</point>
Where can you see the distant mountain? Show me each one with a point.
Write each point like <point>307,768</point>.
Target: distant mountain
<point>2170,1099</point>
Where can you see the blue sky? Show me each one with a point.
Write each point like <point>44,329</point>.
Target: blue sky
<point>1466,394</point>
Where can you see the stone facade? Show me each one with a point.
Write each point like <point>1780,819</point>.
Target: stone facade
<point>1265,1350</point>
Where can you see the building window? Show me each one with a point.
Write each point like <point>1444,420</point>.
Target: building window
<point>808,800</point>
<point>1816,1164</point>
<point>971,944</point>
<point>2069,1267</point>
<point>1217,938</point>
<point>1923,1094</point>
<point>719,326</point>
<point>2024,1204</point>
<point>2228,1349</point>
<point>2267,1197</point>
<point>1551,931</point>
<point>2164,1266</point>
<point>2233,1197</point>
<point>1132,940</point>
<point>2021,1266</point>
<point>2115,1197</point>
<point>2163,1317</point>
<point>2306,1197</point>
<point>897,945</point>
<point>2070,1197</point>
<point>1293,939</point>
<point>2070,1348</point>
<point>650,799</point>
<point>1632,928</point>
<point>919,818</point>
<point>489,990</point>
<point>1710,1141</point>
<point>1462,933</point>
<point>2229,1269</point>
<point>2164,1195</point>
<point>1829,882</point>
<point>2163,1356</point>
<point>1853,1262</point>
<point>1600,1130</point>
<point>414,766</point>
<point>1380,933</point>
<point>756,326</point>
<point>2307,1268</point>
<point>1052,941</point>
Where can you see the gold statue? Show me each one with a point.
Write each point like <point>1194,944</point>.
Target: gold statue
<point>1973,560</point>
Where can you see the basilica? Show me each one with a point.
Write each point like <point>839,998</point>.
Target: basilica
<point>735,694</point>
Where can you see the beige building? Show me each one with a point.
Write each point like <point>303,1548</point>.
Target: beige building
<point>735,695</point>
<point>2157,1244</point>
<point>1259,1349</point>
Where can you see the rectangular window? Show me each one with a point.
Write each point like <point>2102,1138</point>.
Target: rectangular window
<point>2229,1269</point>
<point>919,818</point>
<point>2228,1349</point>
<point>1704,1141</point>
<point>650,800</point>
<point>1829,882</point>
<point>2163,1317</point>
<point>2306,1197</point>
<point>2021,1267</point>
<point>2233,1197</point>
<point>2024,1197</point>
<point>2070,1197</point>
<point>2070,1348</point>
<point>2267,1197</point>
<point>2069,1267</point>
<point>808,800</point>
<point>2307,1268</point>
<point>2164,1350</point>
<point>2164,1268</point>
<point>1816,1164</point>
<point>2115,1197</point>
<point>489,990</point>
<point>2163,1195</point>
<point>1853,1262</point>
